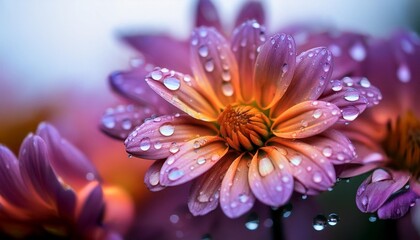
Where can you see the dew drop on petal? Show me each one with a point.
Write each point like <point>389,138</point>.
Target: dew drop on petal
<point>350,113</point>
<point>156,75</point>
<point>327,152</point>
<point>265,166</point>
<point>295,160</point>
<point>252,223</point>
<point>145,144</point>
<point>196,144</point>
<point>243,197</point>
<point>317,177</point>
<point>364,200</point>
<point>203,51</point>
<point>285,68</point>
<point>209,66</point>
<point>337,85</point>
<point>174,148</point>
<point>175,174</point>
<point>319,222</point>
<point>227,89</point>
<point>403,73</point>
<point>157,145</point>
<point>201,160</point>
<point>351,95</point>
<point>167,130</point>
<point>317,113</point>
<point>358,52</point>
<point>364,82</point>
<point>126,124</point>
<point>226,76</point>
<point>326,67</point>
<point>172,83</point>
<point>108,121</point>
<point>333,219</point>
<point>215,157</point>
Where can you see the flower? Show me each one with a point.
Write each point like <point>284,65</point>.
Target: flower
<point>387,137</point>
<point>255,124</point>
<point>53,190</point>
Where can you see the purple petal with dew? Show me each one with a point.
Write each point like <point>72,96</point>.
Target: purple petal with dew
<point>205,191</point>
<point>152,176</point>
<point>68,162</point>
<point>377,188</point>
<point>398,205</point>
<point>12,188</point>
<point>207,15</point>
<point>120,121</point>
<point>161,50</point>
<point>251,10</point>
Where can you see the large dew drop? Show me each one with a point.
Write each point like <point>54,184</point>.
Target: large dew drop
<point>319,223</point>
<point>167,130</point>
<point>175,174</point>
<point>172,83</point>
<point>333,219</point>
<point>252,222</point>
<point>145,144</point>
<point>203,51</point>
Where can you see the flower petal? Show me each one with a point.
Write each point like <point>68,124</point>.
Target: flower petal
<point>398,206</point>
<point>205,191</point>
<point>274,69</point>
<point>90,209</point>
<point>333,145</point>
<point>313,71</point>
<point>179,90</point>
<point>67,161</point>
<point>214,67</point>
<point>236,197</point>
<point>305,119</point>
<point>12,188</point>
<point>207,15</point>
<point>270,178</point>
<point>161,50</point>
<point>159,137</point>
<point>66,203</point>
<point>251,10</point>
<point>193,159</point>
<point>152,176</point>
<point>120,121</point>
<point>36,171</point>
<point>312,171</point>
<point>245,41</point>
<point>378,187</point>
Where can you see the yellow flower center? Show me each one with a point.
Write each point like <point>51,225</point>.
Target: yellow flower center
<point>244,127</point>
<point>402,144</point>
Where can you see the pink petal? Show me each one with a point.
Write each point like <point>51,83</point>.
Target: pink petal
<point>68,162</point>
<point>377,189</point>
<point>214,67</point>
<point>36,171</point>
<point>193,159</point>
<point>236,197</point>
<point>207,15</point>
<point>161,50</point>
<point>12,188</point>
<point>120,121</point>
<point>333,145</point>
<point>251,10</point>
<point>205,191</point>
<point>313,71</point>
<point>305,119</point>
<point>159,137</point>
<point>312,171</point>
<point>179,90</point>
<point>245,41</point>
<point>152,176</point>
<point>274,69</point>
<point>270,178</point>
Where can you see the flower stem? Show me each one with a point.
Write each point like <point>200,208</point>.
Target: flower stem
<point>277,228</point>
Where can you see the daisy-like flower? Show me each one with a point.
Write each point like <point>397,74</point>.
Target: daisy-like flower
<point>387,136</point>
<point>52,189</point>
<point>255,124</point>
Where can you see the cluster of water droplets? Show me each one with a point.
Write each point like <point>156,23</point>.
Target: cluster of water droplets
<point>320,222</point>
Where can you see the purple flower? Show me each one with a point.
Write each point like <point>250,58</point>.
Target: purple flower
<point>53,189</point>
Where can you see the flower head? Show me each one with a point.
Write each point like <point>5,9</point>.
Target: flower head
<point>255,124</point>
<point>53,189</point>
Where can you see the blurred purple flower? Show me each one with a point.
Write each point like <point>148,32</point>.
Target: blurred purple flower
<point>52,189</point>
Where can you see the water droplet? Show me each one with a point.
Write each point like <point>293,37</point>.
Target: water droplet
<point>351,95</point>
<point>156,75</point>
<point>226,76</point>
<point>403,73</point>
<point>364,200</point>
<point>317,177</point>
<point>255,25</point>
<point>285,68</point>
<point>126,124</point>
<point>326,67</point>
<point>337,85</point>
<point>327,152</point>
<point>317,113</point>
<point>373,218</point>
<point>358,52</point>
<point>108,122</point>
<point>172,83</point>
<point>350,113</point>
<point>158,145</point>
<point>170,160</point>
<point>265,166</point>
<point>196,144</point>
<point>287,210</point>
<point>201,160</point>
<point>175,174</point>
<point>154,179</point>
<point>304,197</point>
<point>174,218</point>
<point>333,219</point>
<point>311,54</point>
<point>209,66</point>
<point>319,223</point>
<point>145,144</point>
<point>194,41</point>
<point>174,148</point>
<point>202,32</point>
<point>252,222</point>
<point>227,89</point>
<point>203,51</point>
<point>296,160</point>
<point>215,157</point>
<point>167,130</point>
<point>90,176</point>
<point>364,82</point>
<point>243,197</point>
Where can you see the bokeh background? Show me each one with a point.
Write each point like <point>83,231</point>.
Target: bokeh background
<point>55,56</point>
